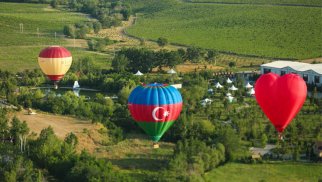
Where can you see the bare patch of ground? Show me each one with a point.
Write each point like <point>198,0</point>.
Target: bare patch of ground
<point>90,136</point>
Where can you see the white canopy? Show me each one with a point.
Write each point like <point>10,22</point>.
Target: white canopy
<point>218,85</point>
<point>228,94</point>
<point>206,101</point>
<point>251,91</point>
<point>210,90</point>
<point>171,71</point>
<point>248,85</point>
<point>76,85</point>
<point>230,98</point>
<point>138,73</point>
<point>229,81</point>
<point>233,88</point>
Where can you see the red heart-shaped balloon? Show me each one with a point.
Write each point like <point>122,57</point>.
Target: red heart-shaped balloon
<point>280,97</point>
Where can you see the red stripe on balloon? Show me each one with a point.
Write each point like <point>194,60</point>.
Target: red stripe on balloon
<point>155,113</point>
<point>54,52</point>
<point>55,77</point>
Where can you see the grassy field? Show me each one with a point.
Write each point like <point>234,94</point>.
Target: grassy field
<point>271,31</point>
<point>277,172</point>
<point>19,50</point>
<point>285,2</point>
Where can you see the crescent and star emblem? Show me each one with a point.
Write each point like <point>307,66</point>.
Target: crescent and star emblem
<point>165,114</point>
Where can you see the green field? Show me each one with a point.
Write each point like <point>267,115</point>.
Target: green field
<point>290,32</point>
<point>266,172</point>
<point>285,2</point>
<point>19,50</point>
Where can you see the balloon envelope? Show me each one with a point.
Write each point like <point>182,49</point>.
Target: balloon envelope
<point>55,61</point>
<point>280,97</point>
<point>155,107</point>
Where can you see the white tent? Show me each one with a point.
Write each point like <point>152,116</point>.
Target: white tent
<point>177,86</point>
<point>228,94</point>
<point>76,92</point>
<point>171,71</point>
<point>206,101</point>
<point>229,81</point>
<point>233,88</point>
<point>251,91</point>
<point>76,85</point>
<point>248,85</point>
<point>230,98</point>
<point>138,73</point>
<point>218,85</point>
<point>210,90</point>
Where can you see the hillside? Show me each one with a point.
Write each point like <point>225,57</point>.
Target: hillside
<point>21,47</point>
<point>286,32</point>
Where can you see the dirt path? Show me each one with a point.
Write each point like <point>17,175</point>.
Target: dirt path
<point>88,134</point>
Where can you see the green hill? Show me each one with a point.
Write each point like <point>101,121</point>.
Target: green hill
<point>21,48</point>
<point>290,32</point>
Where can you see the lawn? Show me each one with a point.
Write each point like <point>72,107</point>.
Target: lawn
<point>19,50</point>
<point>286,32</point>
<point>283,171</point>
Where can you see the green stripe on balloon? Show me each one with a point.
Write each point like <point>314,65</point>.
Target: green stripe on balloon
<point>155,129</point>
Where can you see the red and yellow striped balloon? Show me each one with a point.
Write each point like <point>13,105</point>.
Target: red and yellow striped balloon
<point>55,61</point>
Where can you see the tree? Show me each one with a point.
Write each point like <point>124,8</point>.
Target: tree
<point>162,41</point>
<point>119,63</point>
<point>232,64</point>
<point>70,31</point>
<point>193,54</point>
<point>97,26</point>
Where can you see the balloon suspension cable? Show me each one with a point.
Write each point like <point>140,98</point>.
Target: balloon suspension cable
<point>280,136</point>
<point>156,145</point>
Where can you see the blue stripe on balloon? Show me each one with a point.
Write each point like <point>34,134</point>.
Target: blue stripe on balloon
<point>155,95</point>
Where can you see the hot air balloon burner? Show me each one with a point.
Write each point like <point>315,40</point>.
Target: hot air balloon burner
<point>155,145</point>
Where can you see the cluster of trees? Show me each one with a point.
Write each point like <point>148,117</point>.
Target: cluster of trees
<point>48,153</point>
<point>79,30</point>
<point>192,158</point>
<point>98,44</point>
<point>108,13</point>
<point>133,59</point>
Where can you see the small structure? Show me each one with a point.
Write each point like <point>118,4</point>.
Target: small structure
<point>218,85</point>
<point>171,71</point>
<point>177,86</point>
<point>138,73</point>
<point>257,153</point>
<point>205,102</point>
<point>318,148</point>
<point>76,85</point>
<point>251,91</point>
<point>229,81</point>
<point>230,98</point>
<point>249,85</point>
<point>228,94</point>
<point>311,73</point>
<point>233,88</point>
<point>210,90</point>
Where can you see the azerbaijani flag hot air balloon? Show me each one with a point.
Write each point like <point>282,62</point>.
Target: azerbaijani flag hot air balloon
<point>55,61</point>
<point>155,107</point>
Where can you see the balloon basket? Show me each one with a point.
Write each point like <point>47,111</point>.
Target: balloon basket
<point>280,136</point>
<point>156,145</point>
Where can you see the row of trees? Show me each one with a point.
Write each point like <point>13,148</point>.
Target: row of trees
<point>79,30</point>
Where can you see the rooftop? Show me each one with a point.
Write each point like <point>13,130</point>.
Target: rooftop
<point>298,66</point>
